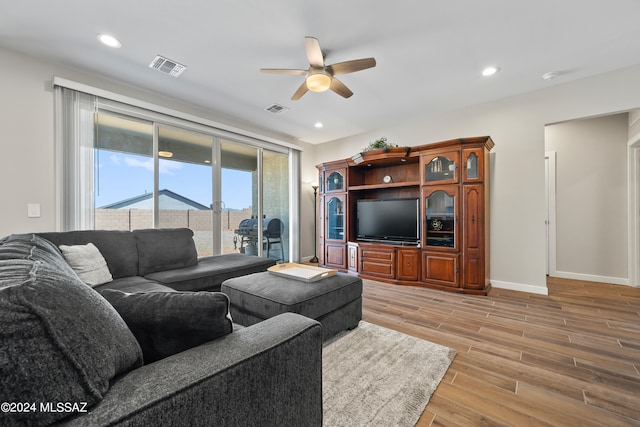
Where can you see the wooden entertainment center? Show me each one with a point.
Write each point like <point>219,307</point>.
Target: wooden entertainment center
<point>451,181</point>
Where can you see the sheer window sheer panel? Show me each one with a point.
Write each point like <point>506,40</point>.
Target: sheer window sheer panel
<point>75,139</point>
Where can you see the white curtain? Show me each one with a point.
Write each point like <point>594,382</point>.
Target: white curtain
<point>294,205</point>
<point>75,134</point>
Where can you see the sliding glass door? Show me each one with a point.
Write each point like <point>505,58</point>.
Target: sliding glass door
<point>234,196</point>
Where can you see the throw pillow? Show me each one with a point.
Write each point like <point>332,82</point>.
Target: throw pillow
<point>167,323</point>
<point>88,263</point>
<point>60,341</point>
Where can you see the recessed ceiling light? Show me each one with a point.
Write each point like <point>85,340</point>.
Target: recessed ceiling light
<point>490,71</point>
<point>167,154</point>
<point>318,125</point>
<point>108,40</point>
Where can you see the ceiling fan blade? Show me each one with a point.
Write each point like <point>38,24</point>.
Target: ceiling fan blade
<point>314,53</point>
<point>301,91</point>
<point>282,71</point>
<point>338,87</point>
<point>351,66</point>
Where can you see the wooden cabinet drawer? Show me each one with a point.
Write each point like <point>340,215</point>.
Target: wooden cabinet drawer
<point>384,254</point>
<point>377,262</point>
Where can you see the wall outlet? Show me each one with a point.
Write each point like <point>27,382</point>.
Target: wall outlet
<point>33,210</point>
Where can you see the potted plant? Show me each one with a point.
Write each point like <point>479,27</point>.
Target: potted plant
<point>381,143</point>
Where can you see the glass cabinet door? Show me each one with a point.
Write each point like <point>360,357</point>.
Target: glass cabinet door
<point>441,168</point>
<point>335,218</point>
<point>472,165</point>
<point>335,181</point>
<point>440,210</point>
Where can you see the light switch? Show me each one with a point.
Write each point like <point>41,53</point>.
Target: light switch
<point>33,210</point>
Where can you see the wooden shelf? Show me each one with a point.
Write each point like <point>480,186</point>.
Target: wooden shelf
<point>380,186</point>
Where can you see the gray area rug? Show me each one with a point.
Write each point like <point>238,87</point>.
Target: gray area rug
<point>374,376</point>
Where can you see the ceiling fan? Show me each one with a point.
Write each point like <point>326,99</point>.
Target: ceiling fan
<point>320,77</point>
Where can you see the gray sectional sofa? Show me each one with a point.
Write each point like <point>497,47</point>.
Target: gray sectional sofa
<point>144,349</point>
<point>152,259</point>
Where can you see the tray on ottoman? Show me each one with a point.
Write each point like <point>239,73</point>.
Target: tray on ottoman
<point>336,302</point>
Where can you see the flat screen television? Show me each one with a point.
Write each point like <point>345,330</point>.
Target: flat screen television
<point>388,220</point>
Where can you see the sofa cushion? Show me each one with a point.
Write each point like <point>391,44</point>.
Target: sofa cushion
<point>60,340</point>
<point>165,249</point>
<point>117,247</point>
<point>211,271</point>
<point>88,263</point>
<point>166,323</point>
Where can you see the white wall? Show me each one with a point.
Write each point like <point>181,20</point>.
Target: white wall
<point>516,125</point>
<point>309,177</point>
<point>26,132</point>
<point>591,197</point>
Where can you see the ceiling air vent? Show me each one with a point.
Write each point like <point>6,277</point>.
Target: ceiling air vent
<point>167,66</point>
<point>277,109</point>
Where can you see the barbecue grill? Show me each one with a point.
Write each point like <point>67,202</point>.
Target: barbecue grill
<point>247,232</point>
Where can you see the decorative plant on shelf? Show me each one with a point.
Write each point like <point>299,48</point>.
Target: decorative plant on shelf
<point>380,143</point>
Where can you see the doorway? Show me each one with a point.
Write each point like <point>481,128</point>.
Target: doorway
<point>594,233</point>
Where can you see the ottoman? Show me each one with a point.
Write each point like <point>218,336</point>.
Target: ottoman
<point>336,302</point>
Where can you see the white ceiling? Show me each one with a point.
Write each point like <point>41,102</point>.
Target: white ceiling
<point>429,54</point>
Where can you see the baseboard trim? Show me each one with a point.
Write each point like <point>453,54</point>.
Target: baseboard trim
<point>520,287</point>
<point>592,278</point>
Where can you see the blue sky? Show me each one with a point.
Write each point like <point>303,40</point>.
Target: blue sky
<point>121,176</point>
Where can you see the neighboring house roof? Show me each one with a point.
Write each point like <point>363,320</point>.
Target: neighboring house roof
<point>167,199</point>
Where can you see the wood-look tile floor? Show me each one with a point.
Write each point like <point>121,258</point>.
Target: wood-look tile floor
<point>571,358</point>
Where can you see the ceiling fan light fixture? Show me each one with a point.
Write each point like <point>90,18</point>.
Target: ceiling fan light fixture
<point>318,82</point>
<point>319,77</point>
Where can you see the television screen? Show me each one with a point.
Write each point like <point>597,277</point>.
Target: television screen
<point>388,220</point>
